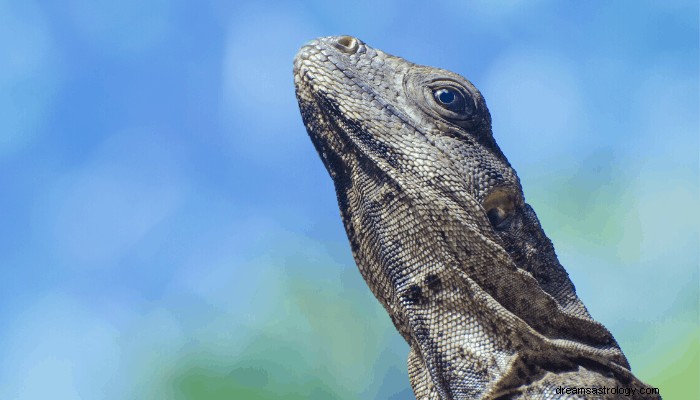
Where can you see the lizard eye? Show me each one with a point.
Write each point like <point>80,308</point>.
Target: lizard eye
<point>500,207</point>
<point>450,99</point>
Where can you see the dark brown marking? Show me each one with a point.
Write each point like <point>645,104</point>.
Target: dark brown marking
<point>433,283</point>
<point>414,295</point>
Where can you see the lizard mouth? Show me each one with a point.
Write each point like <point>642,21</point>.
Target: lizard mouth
<point>342,144</point>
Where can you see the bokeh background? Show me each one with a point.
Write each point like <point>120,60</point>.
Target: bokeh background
<point>168,232</point>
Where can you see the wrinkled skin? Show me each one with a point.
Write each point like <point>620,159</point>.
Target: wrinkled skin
<point>441,233</point>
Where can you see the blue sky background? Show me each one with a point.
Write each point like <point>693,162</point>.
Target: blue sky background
<point>168,231</point>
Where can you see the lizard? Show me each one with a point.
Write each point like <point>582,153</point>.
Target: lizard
<point>441,233</point>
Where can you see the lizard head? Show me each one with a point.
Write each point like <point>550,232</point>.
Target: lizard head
<point>419,127</point>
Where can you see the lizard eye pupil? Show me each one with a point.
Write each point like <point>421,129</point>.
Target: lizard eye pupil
<point>450,99</point>
<point>445,96</point>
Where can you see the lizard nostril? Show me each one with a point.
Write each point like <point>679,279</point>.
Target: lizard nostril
<point>347,44</point>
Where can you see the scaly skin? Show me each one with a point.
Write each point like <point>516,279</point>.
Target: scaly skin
<point>441,233</point>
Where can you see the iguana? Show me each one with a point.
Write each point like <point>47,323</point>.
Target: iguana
<point>440,230</point>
